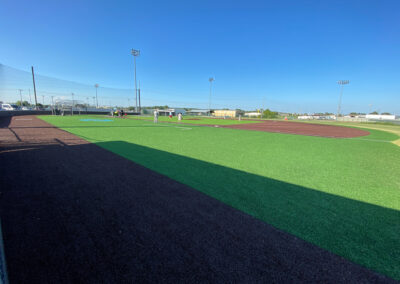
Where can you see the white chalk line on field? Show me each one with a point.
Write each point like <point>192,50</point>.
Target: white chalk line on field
<point>372,140</point>
<point>179,127</point>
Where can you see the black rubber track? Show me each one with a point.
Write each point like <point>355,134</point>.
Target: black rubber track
<point>76,213</point>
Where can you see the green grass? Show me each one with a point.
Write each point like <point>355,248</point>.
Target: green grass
<point>196,120</point>
<point>340,194</point>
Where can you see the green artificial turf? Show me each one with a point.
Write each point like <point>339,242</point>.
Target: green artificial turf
<point>340,194</point>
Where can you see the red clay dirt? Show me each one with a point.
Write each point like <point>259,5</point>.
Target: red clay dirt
<point>299,128</point>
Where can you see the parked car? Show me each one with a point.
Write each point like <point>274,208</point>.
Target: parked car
<point>9,107</point>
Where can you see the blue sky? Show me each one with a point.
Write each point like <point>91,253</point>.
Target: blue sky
<point>285,55</point>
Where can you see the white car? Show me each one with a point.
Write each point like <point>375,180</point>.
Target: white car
<point>9,107</point>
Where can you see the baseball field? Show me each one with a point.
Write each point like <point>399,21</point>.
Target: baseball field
<point>336,188</point>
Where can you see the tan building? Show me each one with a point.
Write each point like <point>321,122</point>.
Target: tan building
<point>224,113</point>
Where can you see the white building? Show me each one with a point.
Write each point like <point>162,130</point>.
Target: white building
<point>317,117</point>
<point>252,114</point>
<point>381,116</point>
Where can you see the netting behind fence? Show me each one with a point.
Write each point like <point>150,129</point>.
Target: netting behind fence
<point>16,85</point>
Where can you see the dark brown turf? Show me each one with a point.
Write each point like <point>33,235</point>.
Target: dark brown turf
<point>302,129</point>
<point>73,212</point>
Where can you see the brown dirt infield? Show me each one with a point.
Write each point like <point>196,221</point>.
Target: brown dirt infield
<point>73,212</point>
<point>300,128</point>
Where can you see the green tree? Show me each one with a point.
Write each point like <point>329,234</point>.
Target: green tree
<point>24,103</point>
<point>386,113</point>
<point>374,112</point>
<point>269,114</point>
<point>239,111</point>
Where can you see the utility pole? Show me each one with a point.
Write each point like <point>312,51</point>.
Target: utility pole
<point>30,99</point>
<point>20,95</point>
<point>341,83</point>
<point>97,101</point>
<point>34,87</point>
<point>211,79</point>
<point>135,53</point>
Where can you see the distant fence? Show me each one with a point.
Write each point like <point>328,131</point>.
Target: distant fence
<point>353,119</point>
<point>4,113</point>
<point>358,119</point>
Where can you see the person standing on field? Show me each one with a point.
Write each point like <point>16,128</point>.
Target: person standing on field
<point>179,116</point>
<point>155,116</point>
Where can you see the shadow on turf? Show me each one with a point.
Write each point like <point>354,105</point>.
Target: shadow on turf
<point>364,233</point>
<point>50,207</point>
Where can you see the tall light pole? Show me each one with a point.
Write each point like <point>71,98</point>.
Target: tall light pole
<point>52,105</point>
<point>34,88</point>
<point>94,101</point>
<point>72,108</point>
<point>140,106</point>
<point>211,79</point>
<point>135,53</point>
<point>341,83</point>
<point>97,102</point>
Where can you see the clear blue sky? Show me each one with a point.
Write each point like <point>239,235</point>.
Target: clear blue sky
<point>285,55</point>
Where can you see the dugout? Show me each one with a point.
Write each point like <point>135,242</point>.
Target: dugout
<point>199,112</point>
<point>173,111</point>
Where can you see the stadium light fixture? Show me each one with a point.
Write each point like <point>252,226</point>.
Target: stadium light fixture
<point>341,83</point>
<point>211,79</point>
<point>97,102</point>
<point>135,53</point>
